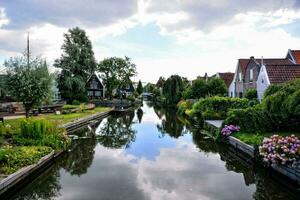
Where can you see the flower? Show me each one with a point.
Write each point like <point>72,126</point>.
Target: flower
<point>280,150</point>
<point>229,129</point>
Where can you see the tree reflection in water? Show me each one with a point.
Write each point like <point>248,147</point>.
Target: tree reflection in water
<point>117,132</point>
<point>139,114</point>
<point>170,124</point>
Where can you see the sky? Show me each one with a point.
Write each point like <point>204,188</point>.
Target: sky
<point>184,37</point>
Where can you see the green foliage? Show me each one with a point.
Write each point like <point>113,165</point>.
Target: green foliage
<point>29,83</point>
<point>77,63</point>
<point>139,88</point>
<point>198,89</point>
<point>282,102</point>
<point>41,133</point>
<point>14,158</point>
<point>116,73</point>
<point>217,107</point>
<point>172,90</point>
<point>184,106</point>
<point>76,102</point>
<point>251,120</point>
<point>251,139</point>
<point>216,87</point>
<point>251,94</point>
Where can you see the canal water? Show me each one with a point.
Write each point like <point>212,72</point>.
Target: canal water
<point>152,154</point>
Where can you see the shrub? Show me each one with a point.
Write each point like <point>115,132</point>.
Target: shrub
<point>280,150</point>
<point>12,159</point>
<point>41,133</point>
<point>76,102</point>
<point>217,107</point>
<point>252,119</point>
<point>251,94</point>
<point>183,106</point>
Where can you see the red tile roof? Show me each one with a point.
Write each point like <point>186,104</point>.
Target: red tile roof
<point>296,55</point>
<point>227,77</point>
<point>243,64</point>
<point>282,73</point>
<point>275,61</point>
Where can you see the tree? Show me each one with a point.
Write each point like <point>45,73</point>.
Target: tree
<point>172,90</point>
<point>116,73</point>
<point>197,90</point>
<point>77,63</point>
<point>28,80</point>
<point>216,87</point>
<point>139,88</point>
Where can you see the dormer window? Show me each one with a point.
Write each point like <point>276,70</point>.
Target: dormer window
<point>251,75</point>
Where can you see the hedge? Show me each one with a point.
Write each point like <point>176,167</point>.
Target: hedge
<point>218,107</point>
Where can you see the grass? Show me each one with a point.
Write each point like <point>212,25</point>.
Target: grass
<point>256,139</point>
<point>23,143</point>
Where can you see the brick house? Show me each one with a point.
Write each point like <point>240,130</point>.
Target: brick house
<point>236,88</point>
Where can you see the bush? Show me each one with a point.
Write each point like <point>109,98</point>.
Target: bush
<point>280,150</point>
<point>183,106</point>
<point>76,102</point>
<point>12,159</point>
<point>250,120</point>
<point>41,133</point>
<point>251,94</point>
<point>217,107</point>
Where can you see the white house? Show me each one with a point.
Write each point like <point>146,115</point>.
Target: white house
<point>275,74</point>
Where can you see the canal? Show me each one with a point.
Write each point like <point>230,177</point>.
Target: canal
<point>151,153</point>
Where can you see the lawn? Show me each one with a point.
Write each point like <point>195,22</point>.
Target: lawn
<point>256,139</point>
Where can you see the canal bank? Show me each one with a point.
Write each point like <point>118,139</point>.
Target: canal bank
<point>15,181</point>
<point>287,171</point>
<point>149,154</point>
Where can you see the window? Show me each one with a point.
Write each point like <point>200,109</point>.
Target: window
<point>97,93</point>
<point>262,80</point>
<point>94,84</point>
<point>90,93</point>
<point>251,75</point>
<point>240,76</point>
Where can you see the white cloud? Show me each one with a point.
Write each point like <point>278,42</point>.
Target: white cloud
<point>3,18</point>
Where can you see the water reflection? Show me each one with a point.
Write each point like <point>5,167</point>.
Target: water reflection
<point>150,153</point>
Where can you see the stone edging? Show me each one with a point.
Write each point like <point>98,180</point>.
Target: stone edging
<point>24,172</point>
<point>238,144</point>
<point>287,171</point>
<point>84,121</point>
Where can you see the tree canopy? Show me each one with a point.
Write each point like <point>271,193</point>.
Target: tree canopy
<point>172,90</point>
<point>139,88</point>
<point>28,82</point>
<point>77,63</point>
<point>116,73</point>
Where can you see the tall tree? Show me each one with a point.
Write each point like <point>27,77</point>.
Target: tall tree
<point>216,87</point>
<point>172,90</point>
<point>197,90</point>
<point>116,73</point>
<point>77,63</point>
<point>28,80</point>
<point>139,88</point>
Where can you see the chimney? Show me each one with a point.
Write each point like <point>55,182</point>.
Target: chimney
<point>262,61</point>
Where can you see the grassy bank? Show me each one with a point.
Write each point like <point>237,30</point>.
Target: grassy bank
<point>25,141</point>
<point>256,139</point>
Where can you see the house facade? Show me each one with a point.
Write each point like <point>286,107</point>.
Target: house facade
<point>294,56</point>
<point>275,74</point>
<point>95,88</point>
<point>236,87</point>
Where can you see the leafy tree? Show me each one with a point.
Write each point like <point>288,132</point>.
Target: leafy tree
<point>160,82</point>
<point>251,94</point>
<point>139,88</point>
<point>216,87</point>
<point>77,63</point>
<point>197,90</point>
<point>28,81</point>
<point>116,73</point>
<point>172,90</point>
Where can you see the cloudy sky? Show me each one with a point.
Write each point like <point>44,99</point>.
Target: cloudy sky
<point>185,37</point>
